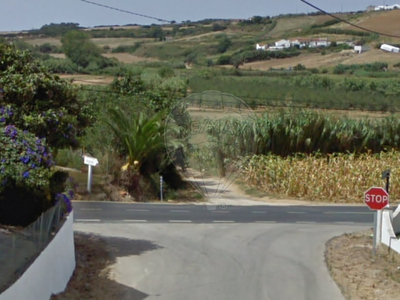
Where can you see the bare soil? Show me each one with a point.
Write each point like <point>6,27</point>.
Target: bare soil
<point>349,259</point>
<point>91,278</point>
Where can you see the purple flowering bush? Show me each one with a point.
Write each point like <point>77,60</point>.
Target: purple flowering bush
<point>28,184</point>
<point>24,158</point>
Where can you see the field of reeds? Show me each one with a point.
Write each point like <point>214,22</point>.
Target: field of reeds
<point>338,178</point>
<point>291,132</point>
<point>308,155</point>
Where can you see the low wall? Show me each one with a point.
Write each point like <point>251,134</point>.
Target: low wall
<point>388,236</point>
<point>50,272</point>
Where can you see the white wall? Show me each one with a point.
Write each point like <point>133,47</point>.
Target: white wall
<point>388,237</point>
<point>50,272</point>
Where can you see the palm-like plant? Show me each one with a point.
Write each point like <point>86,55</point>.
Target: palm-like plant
<point>141,137</point>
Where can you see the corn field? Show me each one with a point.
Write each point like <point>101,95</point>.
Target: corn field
<point>335,178</point>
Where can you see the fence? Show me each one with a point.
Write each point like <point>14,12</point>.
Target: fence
<point>20,247</point>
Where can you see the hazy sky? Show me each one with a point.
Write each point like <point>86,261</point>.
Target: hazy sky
<point>30,14</point>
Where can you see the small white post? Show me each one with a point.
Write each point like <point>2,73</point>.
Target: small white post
<point>89,182</point>
<point>161,188</point>
<point>375,234</point>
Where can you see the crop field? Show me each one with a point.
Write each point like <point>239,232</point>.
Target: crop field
<point>316,60</point>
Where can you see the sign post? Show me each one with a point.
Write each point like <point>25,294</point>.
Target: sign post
<point>376,198</point>
<point>91,162</point>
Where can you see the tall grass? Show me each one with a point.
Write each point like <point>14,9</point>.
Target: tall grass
<point>292,132</point>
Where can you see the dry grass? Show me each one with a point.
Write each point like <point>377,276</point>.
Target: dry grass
<point>296,24</point>
<point>129,58</point>
<point>41,41</point>
<point>339,179</point>
<point>385,22</point>
<point>349,259</point>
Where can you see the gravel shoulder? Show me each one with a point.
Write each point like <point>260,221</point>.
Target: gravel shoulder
<point>349,260</point>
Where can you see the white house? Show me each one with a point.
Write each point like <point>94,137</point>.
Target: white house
<point>261,47</point>
<point>360,49</point>
<point>319,43</point>
<point>282,44</point>
<point>387,7</point>
<point>389,48</point>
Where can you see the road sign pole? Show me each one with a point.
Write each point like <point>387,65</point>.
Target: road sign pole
<point>89,182</point>
<point>375,232</point>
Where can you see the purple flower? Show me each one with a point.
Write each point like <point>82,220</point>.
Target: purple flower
<point>25,159</point>
<point>26,174</point>
<point>2,119</point>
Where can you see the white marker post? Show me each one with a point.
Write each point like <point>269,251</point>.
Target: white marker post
<point>91,162</point>
<point>161,189</point>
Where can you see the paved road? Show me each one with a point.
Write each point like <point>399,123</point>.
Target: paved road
<point>221,261</point>
<point>180,252</point>
<point>167,213</point>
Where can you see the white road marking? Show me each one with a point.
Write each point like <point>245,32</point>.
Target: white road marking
<point>91,209</point>
<point>180,221</point>
<point>268,222</point>
<point>87,220</point>
<point>179,211</point>
<point>345,223</point>
<point>136,221</point>
<point>219,211</point>
<point>305,222</point>
<point>129,209</point>
<point>346,212</point>
<point>220,221</point>
<point>296,212</point>
<point>258,212</point>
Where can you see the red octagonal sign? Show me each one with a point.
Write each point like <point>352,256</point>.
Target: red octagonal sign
<point>376,198</point>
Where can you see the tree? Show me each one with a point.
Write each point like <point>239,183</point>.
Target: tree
<point>78,47</point>
<point>224,44</point>
<point>40,102</point>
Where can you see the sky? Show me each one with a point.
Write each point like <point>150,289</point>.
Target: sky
<point>33,14</point>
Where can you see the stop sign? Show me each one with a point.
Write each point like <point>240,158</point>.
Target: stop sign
<point>376,198</point>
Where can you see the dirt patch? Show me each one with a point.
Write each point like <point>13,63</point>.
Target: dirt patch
<point>349,259</point>
<point>93,275</point>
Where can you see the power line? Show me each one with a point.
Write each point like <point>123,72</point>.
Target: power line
<point>126,11</point>
<point>347,22</point>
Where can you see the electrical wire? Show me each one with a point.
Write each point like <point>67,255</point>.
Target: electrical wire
<point>126,11</point>
<point>347,22</point>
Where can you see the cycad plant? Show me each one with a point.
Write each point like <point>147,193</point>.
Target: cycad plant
<point>141,139</point>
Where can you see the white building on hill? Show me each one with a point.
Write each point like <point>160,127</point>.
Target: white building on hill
<point>389,48</point>
<point>387,7</point>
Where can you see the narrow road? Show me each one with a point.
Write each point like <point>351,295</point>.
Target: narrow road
<point>169,213</point>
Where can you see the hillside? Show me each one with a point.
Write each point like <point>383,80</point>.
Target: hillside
<point>205,42</point>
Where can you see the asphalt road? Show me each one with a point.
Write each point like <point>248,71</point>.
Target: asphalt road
<point>167,213</point>
<point>221,261</point>
<point>217,252</point>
